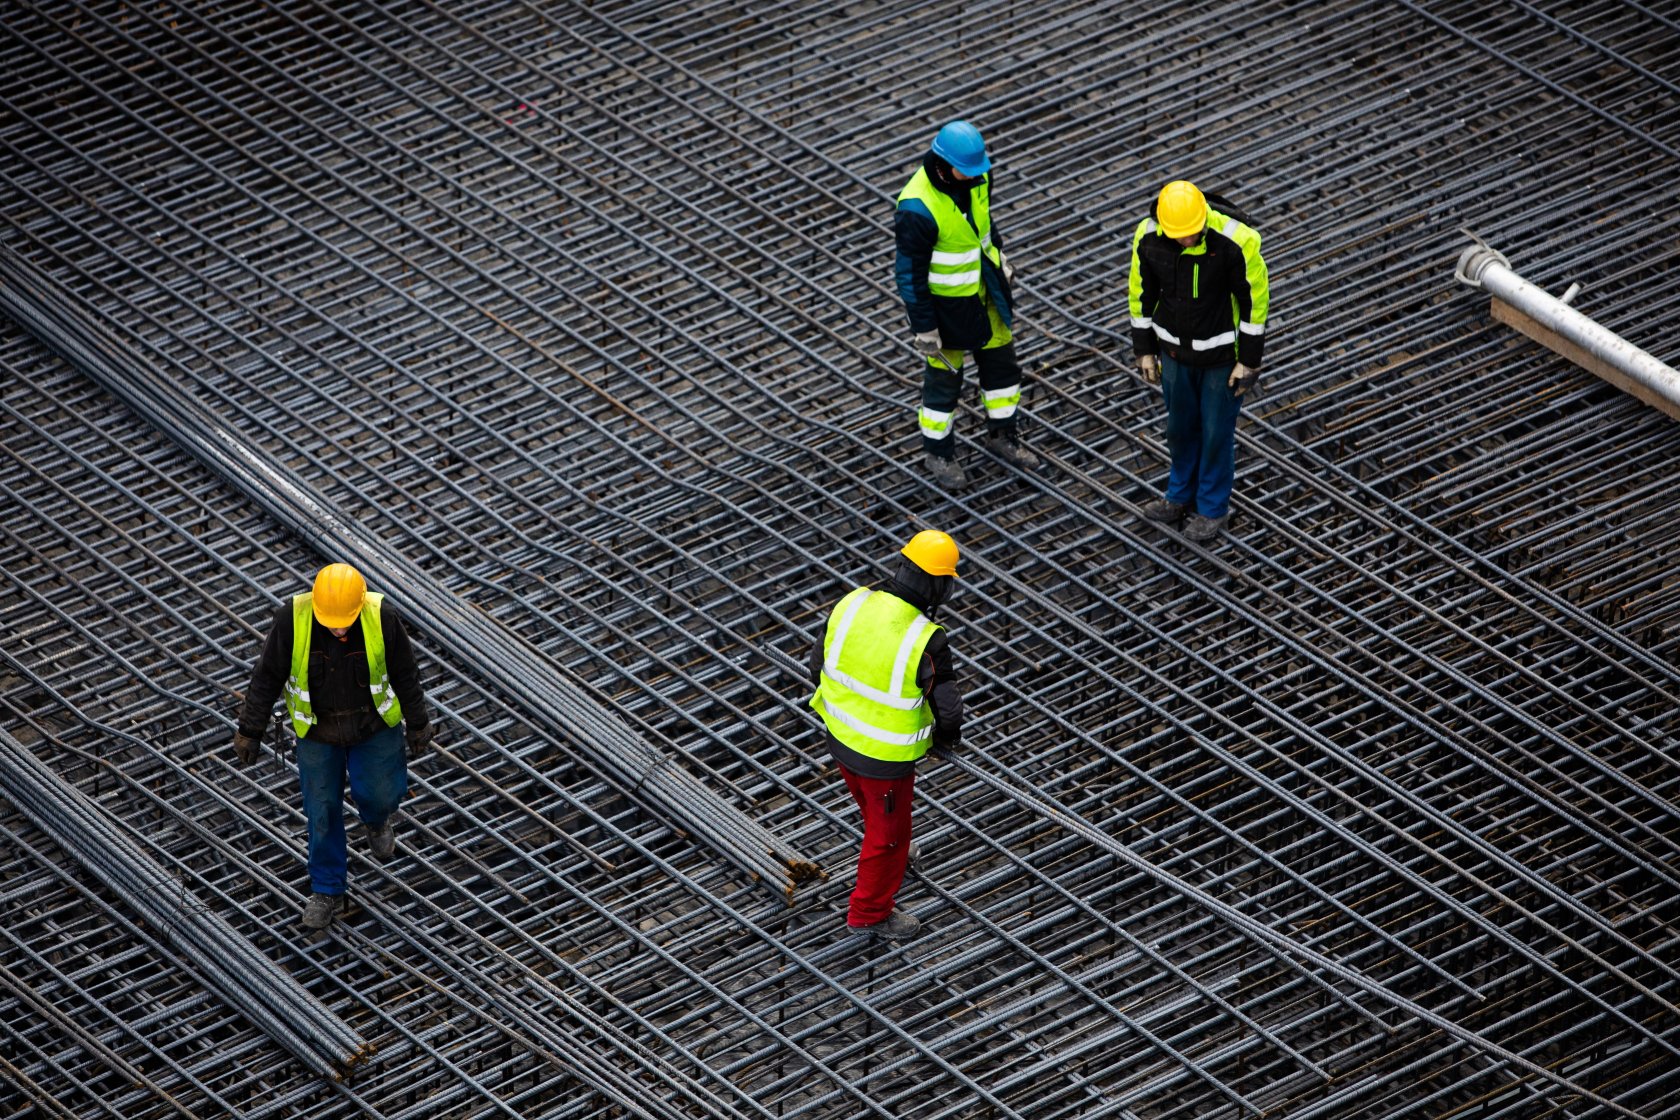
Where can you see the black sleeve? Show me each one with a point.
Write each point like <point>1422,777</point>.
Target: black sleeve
<point>937,678</point>
<point>268,677</point>
<point>1143,295</point>
<point>405,674</point>
<point>915,233</point>
<point>817,656</point>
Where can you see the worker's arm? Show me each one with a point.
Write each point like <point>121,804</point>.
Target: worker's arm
<point>817,657</point>
<point>937,678</point>
<point>268,678</point>
<point>1143,292</point>
<point>404,673</point>
<point>1252,292</point>
<point>916,233</point>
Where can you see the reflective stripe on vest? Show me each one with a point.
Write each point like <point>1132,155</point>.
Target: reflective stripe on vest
<point>954,267</point>
<point>379,680</point>
<point>868,696</point>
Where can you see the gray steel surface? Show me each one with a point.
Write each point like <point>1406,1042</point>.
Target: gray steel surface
<point>588,309</point>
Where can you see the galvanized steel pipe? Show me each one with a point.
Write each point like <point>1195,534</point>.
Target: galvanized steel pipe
<point>1487,268</point>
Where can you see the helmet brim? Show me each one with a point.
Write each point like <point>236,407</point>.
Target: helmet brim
<point>333,621</point>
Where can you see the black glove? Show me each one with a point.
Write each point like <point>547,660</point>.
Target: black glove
<point>945,743</point>
<point>246,748</point>
<point>420,738</point>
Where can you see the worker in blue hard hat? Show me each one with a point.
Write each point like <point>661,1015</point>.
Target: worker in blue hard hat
<point>955,283</point>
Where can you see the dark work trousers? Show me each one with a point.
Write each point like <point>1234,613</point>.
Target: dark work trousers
<point>1201,436</point>
<point>378,773</point>
<point>1000,393</point>
<point>886,844</point>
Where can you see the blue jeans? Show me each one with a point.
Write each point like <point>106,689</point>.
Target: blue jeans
<point>1201,436</point>
<point>378,772</point>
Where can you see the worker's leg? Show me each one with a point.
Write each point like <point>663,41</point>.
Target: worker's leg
<point>379,776</point>
<point>886,844</point>
<point>941,388</point>
<point>321,779</point>
<point>1181,385</point>
<point>1217,466</point>
<point>1000,386</point>
<point>1000,375</point>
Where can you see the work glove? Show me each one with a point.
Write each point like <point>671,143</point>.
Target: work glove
<point>420,739</point>
<point>1242,379</point>
<point>246,748</point>
<point>945,743</point>
<point>926,343</point>
<point>1150,367</point>
<point>1008,269</point>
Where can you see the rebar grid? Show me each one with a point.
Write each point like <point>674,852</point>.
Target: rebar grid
<point>566,300</point>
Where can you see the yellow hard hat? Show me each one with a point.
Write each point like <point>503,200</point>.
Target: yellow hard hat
<point>339,589</point>
<point>933,552</point>
<point>1181,209</point>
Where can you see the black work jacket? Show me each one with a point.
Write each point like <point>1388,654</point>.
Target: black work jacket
<point>1191,296</point>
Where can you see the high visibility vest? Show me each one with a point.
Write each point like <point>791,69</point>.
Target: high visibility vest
<point>954,269</point>
<point>379,681</point>
<point>868,696</point>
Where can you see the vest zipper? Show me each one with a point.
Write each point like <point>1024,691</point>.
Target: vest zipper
<point>1195,281</point>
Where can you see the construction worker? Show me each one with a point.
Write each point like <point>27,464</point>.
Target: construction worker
<point>345,664</point>
<point>887,692</point>
<point>1198,297</point>
<point>955,284</point>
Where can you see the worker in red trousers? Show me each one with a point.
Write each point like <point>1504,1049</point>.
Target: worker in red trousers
<point>887,693</point>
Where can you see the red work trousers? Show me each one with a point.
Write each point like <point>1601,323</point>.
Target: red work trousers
<point>886,844</point>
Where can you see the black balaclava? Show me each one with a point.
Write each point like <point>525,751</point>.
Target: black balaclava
<point>939,171</point>
<point>916,587</point>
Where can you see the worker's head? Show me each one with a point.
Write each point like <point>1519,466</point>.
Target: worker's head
<point>1182,212</point>
<point>960,145</point>
<point>933,552</point>
<point>339,591</point>
<point>928,566</point>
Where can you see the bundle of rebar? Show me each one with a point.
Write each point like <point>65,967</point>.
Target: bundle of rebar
<point>226,963</point>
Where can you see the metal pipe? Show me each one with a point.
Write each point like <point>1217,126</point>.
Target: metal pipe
<point>1481,266</point>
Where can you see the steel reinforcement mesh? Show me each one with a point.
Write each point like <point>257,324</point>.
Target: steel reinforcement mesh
<point>588,308</point>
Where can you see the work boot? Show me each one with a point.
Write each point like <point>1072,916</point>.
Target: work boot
<point>896,927</point>
<point>1198,528</point>
<point>1007,446</point>
<point>1162,510</point>
<point>946,472</point>
<point>382,841</point>
<point>321,910</point>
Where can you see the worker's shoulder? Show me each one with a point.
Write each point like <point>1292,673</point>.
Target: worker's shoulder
<point>1234,229</point>
<point>914,208</point>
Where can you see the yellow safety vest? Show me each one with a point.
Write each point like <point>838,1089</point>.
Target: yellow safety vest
<point>868,696</point>
<point>379,681</point>
<point>954,269</point>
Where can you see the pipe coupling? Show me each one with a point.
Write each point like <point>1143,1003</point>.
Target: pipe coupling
<point>1475,260</point>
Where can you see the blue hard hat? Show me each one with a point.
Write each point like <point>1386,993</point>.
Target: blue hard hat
<point>959,144</point>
